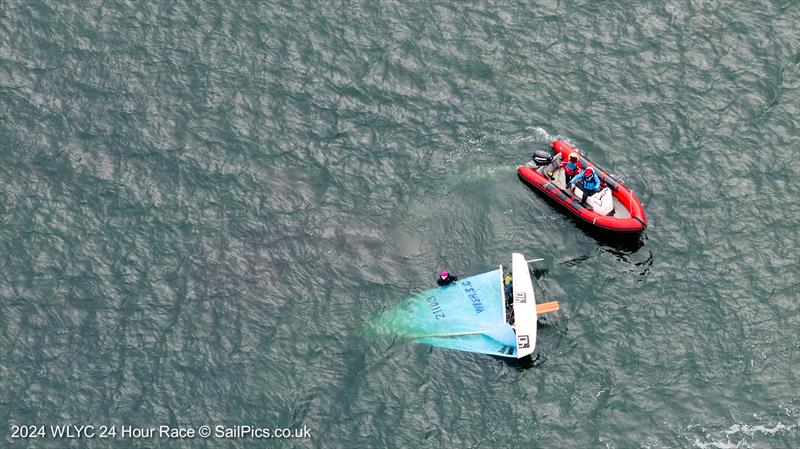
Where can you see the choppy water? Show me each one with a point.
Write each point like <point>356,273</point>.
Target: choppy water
<point>202,202</point>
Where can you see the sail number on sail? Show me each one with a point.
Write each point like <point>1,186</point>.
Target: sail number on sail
<point>435,308</point>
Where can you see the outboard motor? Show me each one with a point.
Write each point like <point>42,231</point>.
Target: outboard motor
<point>542,157</point>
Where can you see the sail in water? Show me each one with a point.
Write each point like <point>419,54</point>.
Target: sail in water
<point>466,316</point>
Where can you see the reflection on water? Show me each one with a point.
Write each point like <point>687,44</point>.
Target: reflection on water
<point>619,244</point>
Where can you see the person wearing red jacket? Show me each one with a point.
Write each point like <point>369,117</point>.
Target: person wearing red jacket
<point>572,166</point>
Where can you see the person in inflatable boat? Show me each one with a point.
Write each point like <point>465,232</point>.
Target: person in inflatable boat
<point>588,181</point>
<point>445,279</point>
<point>572,166</point>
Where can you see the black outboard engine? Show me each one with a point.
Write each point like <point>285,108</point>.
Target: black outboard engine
<point>542,157</point>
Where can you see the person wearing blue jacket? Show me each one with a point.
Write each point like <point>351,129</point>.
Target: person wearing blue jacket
<point>588,182</point>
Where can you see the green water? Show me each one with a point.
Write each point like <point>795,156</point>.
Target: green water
<point>202,203</point>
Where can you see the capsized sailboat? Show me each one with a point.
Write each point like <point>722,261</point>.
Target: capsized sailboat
<point>482,313</point>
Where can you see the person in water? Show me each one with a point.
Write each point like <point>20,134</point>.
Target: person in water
<point>445,278</point>
<point>588,182</point>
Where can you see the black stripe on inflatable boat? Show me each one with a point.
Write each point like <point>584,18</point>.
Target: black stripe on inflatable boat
<point>612,184</point>
<point>560,195</point>
<point>550,186</point>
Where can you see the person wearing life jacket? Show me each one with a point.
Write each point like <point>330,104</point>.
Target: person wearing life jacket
<point>509,286</point>
<point>588,182</point>
<point>572,166</point>
<point>445,278</point>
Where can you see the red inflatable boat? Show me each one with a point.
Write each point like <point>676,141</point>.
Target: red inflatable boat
<point>613,208</point>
